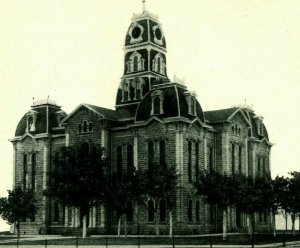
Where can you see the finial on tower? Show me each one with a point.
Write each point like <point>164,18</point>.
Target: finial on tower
<point>144,6</point>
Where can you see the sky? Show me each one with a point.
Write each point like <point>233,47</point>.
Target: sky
<point>227,51</point>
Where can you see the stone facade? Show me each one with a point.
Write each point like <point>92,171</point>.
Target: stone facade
<point>154,117</point>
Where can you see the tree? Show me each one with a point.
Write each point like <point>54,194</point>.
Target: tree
<point>217,189</point>
<point>279,193</point>
<point>19,205</point>
<point>160,181</point>
<point>294,199</point>
<point>77,180</point>
<point>121,193</point>
<point>254,195</point>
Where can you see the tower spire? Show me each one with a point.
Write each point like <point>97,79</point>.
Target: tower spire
<point>144,6</point>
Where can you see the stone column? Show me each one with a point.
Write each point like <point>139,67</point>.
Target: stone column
<point>104,142</point>
<point>14,165</point>
<point>73,217</point>
<point>246,157</point>
<point>102,221</point>
<point>225,151</point>
<point>67,139</point>
<point>90,217</point>
<point>205,151</point>
<point>46,159</point>
<point>135,151</point>
<point>66,216</point>
<point>94,211</point>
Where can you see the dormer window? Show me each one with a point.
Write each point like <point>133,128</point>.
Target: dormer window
<point>138,85</point>
<point>135,63</point>
<point>191,101</point>
<point>125,87</point>
<point>259,124</point>
<point>157,102</point>
<point>158,64</point>
<point>31,121</point>
<point>59,116</point>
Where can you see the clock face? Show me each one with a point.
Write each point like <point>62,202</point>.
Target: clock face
<point>158,33</point>
<point>136,32</point>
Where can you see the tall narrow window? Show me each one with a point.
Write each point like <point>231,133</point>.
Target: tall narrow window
<point>156,106</point>
<point>33,170</point>
<point>56,212</point>
<point>150,155</point>
<point>190,210</point>
<point>85,125</point>
<point>162,210</point>
<point>197,211</point>
<point>90,127</point>
<point>79,128</point>
<point>258,166</point>
<point>158,65</point>
<point>264,165</point>
<point>210,159</point>
<point>190,161</point>
<point>232,159</point>
<point>150,211</point>
<point>196,160</point>
<point>240,159</point>
<point>25,171</point>
<point>129,212</point>
<point>162,152</point>
<point>130,166</point>
<point>135,63</point>
<point>119,161</point>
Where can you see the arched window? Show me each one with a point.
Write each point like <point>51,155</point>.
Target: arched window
<point>129,212</point>
<point>196,160</point>
<point>150,211</point>
<point>190,210</point>
<point>135,63</point>
<point>162,210</point>
<point>90,127</point>
<point>79,128</point>
<point>85,125</point>
<point>25,171</point>
<point>150,156</point>
<point>232,159</point>
<point>190,161</point>
<point>56,212</point>
<point>156,106</point>
<point>130,166</point>
<point>33,170</point>
<point>158,64</point>
<point>162,152</point>
<point>30,123</point>
<point>119,161</point>
<point>197,213</point>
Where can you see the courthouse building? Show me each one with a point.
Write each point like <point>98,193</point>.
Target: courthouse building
<point>155,120</point>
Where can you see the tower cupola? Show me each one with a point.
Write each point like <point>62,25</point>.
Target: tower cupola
<point>144,59</point>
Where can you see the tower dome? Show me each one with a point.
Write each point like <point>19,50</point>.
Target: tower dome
<point>144,59</point>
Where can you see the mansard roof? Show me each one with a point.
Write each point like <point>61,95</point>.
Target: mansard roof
<point>174,103</point>
<point>47,119</point>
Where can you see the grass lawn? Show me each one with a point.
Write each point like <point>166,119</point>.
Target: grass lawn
<point>242,239</point>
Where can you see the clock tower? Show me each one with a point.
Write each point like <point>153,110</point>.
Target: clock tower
<point>144,60</point>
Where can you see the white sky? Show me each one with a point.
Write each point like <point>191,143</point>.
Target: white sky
<point>227,51</point>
